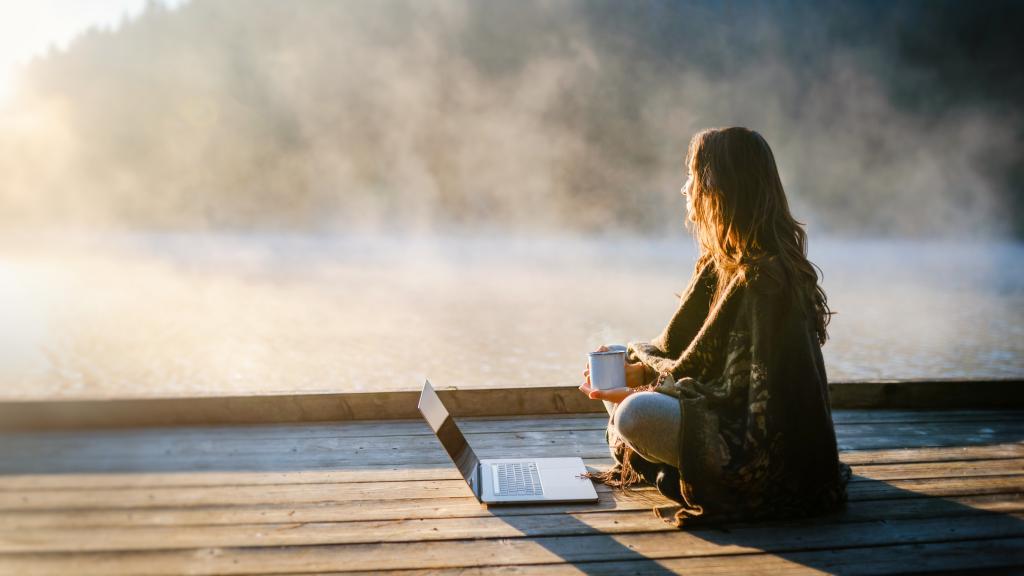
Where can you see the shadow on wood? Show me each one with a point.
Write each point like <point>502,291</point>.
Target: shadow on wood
<point>932,491</point>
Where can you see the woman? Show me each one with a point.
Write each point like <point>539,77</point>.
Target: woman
<point>727,410</point>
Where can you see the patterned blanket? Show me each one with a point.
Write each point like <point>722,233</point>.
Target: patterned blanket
<point>756,436</point>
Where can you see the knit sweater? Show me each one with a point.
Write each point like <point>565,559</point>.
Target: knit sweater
<point>756,436</point>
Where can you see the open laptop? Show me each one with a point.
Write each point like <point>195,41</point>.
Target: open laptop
<point>506,480</point>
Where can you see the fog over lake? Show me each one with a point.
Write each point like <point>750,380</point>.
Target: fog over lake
<point>157,315</point>
<point>210,197</point>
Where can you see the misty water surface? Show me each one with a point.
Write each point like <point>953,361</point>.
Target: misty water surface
<point>170,315</point>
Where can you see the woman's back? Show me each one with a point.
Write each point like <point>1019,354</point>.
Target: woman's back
<point>757,438</point>
<point>742,354</point>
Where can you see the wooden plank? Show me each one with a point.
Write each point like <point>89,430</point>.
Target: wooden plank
<point>992,556</point>
<point>45,444</point>
<point>874,463</point>
<point>920,506</point>
<point>27,446</point>
<point>474,425</point>
<point>923,441</point>
<point>107,481</point>
<point>28,453</point>
<point>932,454</point>
<point>359,487</point>
<point>867,416</point>
<point>913,487</point>
<point>426,458</point>
<point>391,493</point>
<point>377,428</point>
<point>427,454</point>
<point>518,551</point>
<point>970,468</point>
<point>419,472</point>
<point>19,450</point>
<point>364,456</point>
<point>466,506</point>
<point>899,430</point>
<point>207,495</point>
<point>134,537</point>
<point>16,415</point>
<point>289,513</point>
<point>35,415</point>
<point>928,394</point>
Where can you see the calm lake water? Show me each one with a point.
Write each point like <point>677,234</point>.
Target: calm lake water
<point>185,315</point>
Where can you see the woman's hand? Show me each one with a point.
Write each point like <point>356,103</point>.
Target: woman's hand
<point>635,374</point>
<point>615,395</point>
<point>634,377</point>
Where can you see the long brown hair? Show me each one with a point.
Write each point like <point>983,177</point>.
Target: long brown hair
<point>741,215</point>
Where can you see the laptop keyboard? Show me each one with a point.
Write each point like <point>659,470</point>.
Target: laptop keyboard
<point>516,479</point>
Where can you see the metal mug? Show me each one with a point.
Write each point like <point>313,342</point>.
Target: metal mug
<point>608,368</point>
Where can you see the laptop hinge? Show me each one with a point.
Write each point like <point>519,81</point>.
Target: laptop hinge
<point>478,488</point>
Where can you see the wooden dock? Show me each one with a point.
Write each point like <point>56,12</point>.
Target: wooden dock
<point>933,491</point>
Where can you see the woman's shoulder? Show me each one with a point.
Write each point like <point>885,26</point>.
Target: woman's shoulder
<point>766,275</point>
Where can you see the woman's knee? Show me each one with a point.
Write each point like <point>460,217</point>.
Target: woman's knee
<point>649,423</point>
<point>635,413</point>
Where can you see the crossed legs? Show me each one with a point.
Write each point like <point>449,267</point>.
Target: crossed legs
<point>648,422</point>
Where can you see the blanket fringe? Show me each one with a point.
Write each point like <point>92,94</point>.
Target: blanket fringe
<point>621,475</point>
<point>678,516</point>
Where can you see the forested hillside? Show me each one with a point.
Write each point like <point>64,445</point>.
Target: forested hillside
<point>893,118</point>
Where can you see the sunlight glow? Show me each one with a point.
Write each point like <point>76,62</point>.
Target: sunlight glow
<point>30,29</point>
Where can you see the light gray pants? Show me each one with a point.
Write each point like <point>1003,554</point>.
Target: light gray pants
<point>648,422</point>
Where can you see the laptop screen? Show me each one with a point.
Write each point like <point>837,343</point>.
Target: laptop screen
<point>448,433</point>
